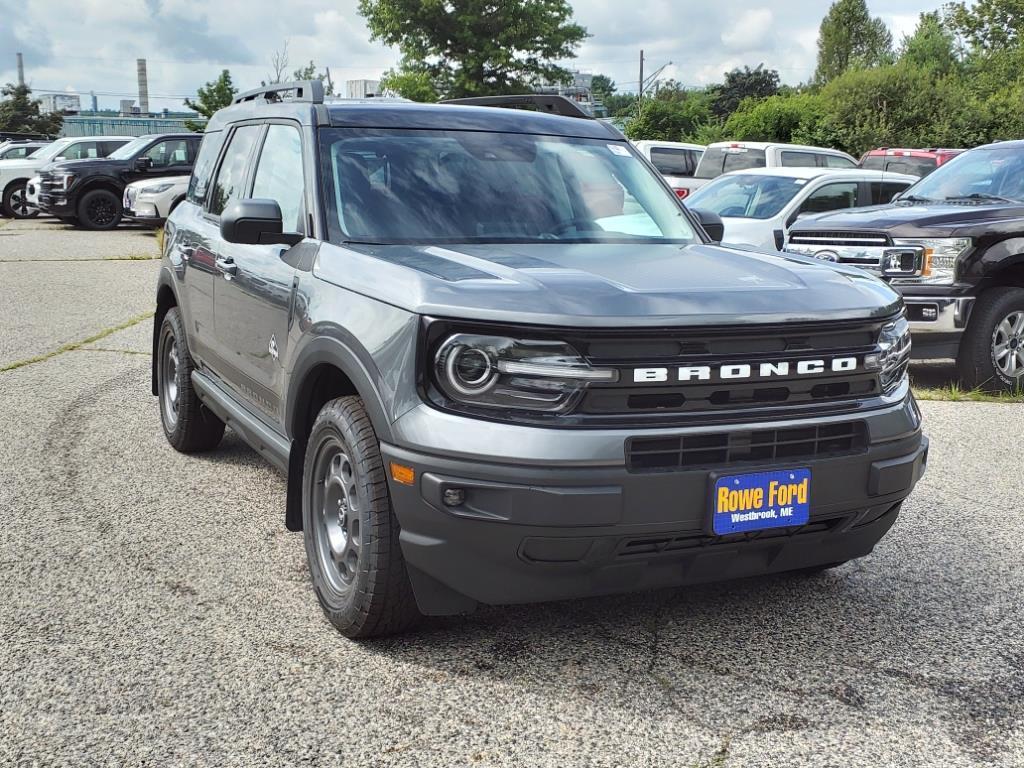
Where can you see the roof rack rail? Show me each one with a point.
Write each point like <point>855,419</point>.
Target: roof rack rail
<point>543,102</point>
<point>311,91</point>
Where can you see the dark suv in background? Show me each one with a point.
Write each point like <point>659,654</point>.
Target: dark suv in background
<point>89,193</point>
<point>501,363</point>
<point>953,245</point>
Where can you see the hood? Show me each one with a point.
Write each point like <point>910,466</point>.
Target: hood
<point>176,181</point>
<point>90,162</point>
<point>605,285</point>
<point>918,220</point>
<point>15,165</point>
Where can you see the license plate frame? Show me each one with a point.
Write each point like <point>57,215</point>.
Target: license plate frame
<point>793,486</point>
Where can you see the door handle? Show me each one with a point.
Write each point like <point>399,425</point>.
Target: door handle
<point>227,265</point>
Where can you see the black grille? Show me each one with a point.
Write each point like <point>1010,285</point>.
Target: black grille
<point>838,237</point>
<point>661,454</point>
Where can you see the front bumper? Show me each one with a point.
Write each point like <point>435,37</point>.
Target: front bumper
<point>536,531</point>
<point>56,205</point>
<point>937,322</point>
<point>32,190</point>
<point>143,213</point>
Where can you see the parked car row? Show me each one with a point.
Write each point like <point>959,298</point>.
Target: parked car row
<point>84,181</point>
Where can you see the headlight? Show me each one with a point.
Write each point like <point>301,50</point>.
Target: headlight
<point>940,256</point>
<point>499,372</point>
<point>158,189</point>
<point>893,355</point>
<point>65,180</point>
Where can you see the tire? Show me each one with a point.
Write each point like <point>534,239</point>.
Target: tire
<point>14,203</point>
<point>189,425</point>
<point>351,534</point>
<point>992,350</point>
<point>99,209</point>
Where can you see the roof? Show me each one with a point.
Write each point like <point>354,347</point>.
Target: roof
<point>766,144</point>
<point>853,174</point>
<point>912,152</point>
<point>98,138</point>
<point>398,113</point>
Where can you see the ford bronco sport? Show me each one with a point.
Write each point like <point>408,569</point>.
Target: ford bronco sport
<point>501,363</point>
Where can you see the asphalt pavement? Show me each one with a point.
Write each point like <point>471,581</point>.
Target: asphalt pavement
<point>153,609</point>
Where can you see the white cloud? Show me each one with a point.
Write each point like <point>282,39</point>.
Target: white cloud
<point>92,44</point>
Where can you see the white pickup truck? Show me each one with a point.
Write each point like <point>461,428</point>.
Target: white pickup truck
<point>674,160</point>
<point>724,156</point>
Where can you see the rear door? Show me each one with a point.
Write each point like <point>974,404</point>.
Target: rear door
<point>252,300</point>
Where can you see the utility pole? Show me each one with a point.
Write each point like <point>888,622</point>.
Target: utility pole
<point>21,70</point>
<point>640,88</point>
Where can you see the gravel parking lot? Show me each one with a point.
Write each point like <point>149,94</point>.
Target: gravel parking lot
<point>153,610</point>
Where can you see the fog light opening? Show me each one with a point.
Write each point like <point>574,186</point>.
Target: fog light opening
<point>454,497</point>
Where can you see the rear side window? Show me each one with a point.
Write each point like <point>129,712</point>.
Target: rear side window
<point>873,163</point>
<point>838,161</point>
<point>279,174</point>
<point>882,191</point>
<point>203,170</point>
<point>674,162</point>
<point>718,160</point>
<point>791,159</point>
<point>233,169</point>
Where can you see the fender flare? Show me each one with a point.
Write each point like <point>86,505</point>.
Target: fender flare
<point>341,354</point>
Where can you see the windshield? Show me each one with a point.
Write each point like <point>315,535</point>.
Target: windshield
<point>128,150</point>
<point>746,196</point>
<point>51,150</point>
<point>719,160</point>
<point>424,186</point>
<point>995,173</point>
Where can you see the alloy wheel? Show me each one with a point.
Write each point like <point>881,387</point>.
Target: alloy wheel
<point>22,208</point>
<point>169,380</point>
<point>101,211</point>
<point>1008,346</point>
<point>337,510</point>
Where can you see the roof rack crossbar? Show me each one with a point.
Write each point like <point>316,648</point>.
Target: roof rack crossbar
<point>543,102</point>
<point>311,91</point>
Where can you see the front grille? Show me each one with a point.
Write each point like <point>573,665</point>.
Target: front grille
<point>715,398</point>
<point>840,238</point>
<point>663,454</point>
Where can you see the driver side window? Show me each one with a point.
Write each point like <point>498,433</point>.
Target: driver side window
<point>831,197</point>
<point>165,154</point>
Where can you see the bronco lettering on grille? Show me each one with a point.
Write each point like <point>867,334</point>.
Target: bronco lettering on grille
<point>742,371</point>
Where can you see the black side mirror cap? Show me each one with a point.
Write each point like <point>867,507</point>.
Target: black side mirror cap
<point>255,222</point>
<point>143,163</point>
<point>712,224</point>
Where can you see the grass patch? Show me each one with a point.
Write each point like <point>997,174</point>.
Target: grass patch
<point>71,346</point>
<point>953,393</point>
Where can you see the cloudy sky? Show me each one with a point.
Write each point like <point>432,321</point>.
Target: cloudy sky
<point>91,45</point>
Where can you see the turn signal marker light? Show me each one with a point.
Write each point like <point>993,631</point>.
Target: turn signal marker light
<point>402,474</point>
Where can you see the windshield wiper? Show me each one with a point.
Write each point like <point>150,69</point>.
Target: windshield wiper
<point>914,199</point>
<point>983,196</point>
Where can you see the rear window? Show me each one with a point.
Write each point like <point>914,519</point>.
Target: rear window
<point>719,160</point>
<point>873,163</point>
<point>675,162</point>
<point>915,166</point>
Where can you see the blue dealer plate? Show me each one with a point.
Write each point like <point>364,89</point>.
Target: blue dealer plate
<point>760,500</point>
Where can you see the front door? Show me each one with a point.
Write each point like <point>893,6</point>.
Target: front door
<point>252,303</point>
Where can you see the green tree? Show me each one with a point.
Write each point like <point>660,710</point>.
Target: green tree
<point>309,73</point>
<point>849,37</point>
<point>410,83</point>
<point>788,118</point>
<point>602,87</point>
<point>932,46</point>
<point>670,119</point>
<point>988,25</point>
<point>215,95</point>
<point>740,84</point>
<point>477,47</point>
<point>19,112</point>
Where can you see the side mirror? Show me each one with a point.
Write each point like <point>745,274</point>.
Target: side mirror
<point>712,224</point>
<point>255,222</point>
<point>143,163</point>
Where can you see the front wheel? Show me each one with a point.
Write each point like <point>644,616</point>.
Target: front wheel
<point>16,204</point>
<point>350,531</point>
<point>99,209</point>
<point>992,349</point>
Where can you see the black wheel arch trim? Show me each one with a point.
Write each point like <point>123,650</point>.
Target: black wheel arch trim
<point>164,281</point>
<point>339,353</point>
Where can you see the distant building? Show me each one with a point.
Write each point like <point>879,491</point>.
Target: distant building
<point>362,89</point>
<point>579,90</point>
<point>113,124</point>
<point>59,102</point>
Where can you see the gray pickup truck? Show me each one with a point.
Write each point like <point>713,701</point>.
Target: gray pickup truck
<point>501,363</point>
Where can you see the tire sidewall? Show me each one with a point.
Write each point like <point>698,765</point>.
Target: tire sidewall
<point>83,209</point>
<point>170,330</point>
<point>338,603</point>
